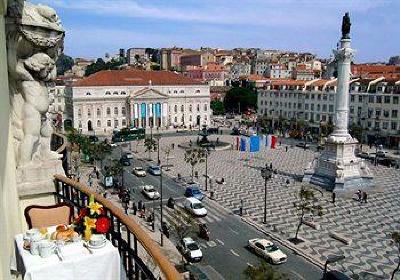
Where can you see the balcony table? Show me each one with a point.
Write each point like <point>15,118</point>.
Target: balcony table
<point>77,263</point>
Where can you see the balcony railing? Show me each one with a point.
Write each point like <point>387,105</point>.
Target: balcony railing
<point>133,243</point>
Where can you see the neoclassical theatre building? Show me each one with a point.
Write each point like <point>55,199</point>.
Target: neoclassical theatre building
<point>114,99</point>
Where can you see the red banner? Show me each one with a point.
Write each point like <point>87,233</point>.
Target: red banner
<point>273,141</point>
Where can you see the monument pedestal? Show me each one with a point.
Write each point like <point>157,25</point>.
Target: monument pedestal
<point>338,169</point>
<point>38,179</point>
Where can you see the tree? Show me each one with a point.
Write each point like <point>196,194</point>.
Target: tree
<point>217,107</point>
<point>396,241</point>
<point>63,64</point>
<point>263,271</point>
<point>99,151</point>
<point>193,157</point>
<point>240,99</point>
<point>183,224</point>
<point>167,152</point>
<point>356,131</point>
<point>155,67</point>
<point>308,203</point>
<point>100,65</point>
<point>150,146</point>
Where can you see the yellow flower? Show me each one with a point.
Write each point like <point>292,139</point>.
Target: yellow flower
<point>89,223</point>
<point>95,208</point>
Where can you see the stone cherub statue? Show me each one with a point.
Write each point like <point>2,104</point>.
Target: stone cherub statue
<point>34,40</point>
<point>346,24</point>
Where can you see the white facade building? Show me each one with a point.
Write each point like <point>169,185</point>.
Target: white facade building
<point>115,99</point>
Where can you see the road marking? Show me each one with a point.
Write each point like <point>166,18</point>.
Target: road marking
<point>233,252</point>
<point>211,243</point>
<point>298,275</point>
<point>249,264</point>
<point>234,231</point>
<point>220,242</point>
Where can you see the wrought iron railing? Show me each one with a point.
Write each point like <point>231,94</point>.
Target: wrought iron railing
<point>141,256</point>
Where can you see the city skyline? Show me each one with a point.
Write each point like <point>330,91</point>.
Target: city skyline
<point>107,27</point>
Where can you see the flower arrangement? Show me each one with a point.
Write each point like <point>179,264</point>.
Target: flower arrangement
<point>92,219</point>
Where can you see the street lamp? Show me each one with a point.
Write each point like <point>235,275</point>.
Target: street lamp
<point>266,173</point>
<point>157,137</point>
<point>206,151</point>
<point>331,259</point>
<point>161,200</point>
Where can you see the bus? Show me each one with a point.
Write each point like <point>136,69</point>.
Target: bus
<point>128,134</point>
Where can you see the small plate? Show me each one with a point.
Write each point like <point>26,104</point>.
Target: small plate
<point>96,247</point>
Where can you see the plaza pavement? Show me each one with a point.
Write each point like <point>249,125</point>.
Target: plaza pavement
<point>370,254</point>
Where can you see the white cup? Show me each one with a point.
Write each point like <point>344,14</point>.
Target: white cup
<point>97,240</point>
<point>35,240</point>
<point>32,232</point>
<point>46,248</point>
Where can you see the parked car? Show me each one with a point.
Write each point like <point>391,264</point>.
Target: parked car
<point>303,145</point>
<point>125,161</point>
<point>191,250</point>
<point>150,192</point>
<point>194,191</point>
<point>365,155</point>
<point>128,155</point>
<point>212,130</point>
<point>268,250</point>
<point>235,131</point>
<point>336,275</point>
<point>195,207</point>
<point>154,170</point>
<point>381,153</point>
<point>139,171</point>
<point>93,139</point>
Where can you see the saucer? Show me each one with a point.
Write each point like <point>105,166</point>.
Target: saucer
<point>97,247</point>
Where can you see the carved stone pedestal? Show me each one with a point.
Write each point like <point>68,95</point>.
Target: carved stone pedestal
<point>338,168</point>
<point>38,179</point>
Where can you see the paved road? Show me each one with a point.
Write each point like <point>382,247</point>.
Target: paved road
<point>225,255</point>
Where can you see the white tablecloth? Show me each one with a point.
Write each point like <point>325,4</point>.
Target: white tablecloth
<point>78,263</point>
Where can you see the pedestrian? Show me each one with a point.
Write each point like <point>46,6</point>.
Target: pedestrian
<point>173,146</point>
<point>270,166</point>
<point>364,197</point>
<point>359,195</point>
<point>144,208</point>
<point>140,205</point>
<point>333,197</point>
<point>286,148</point>
<point>134,208</point>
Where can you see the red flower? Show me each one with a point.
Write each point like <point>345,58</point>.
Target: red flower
<point>82,213</point>
<point>102,224</point>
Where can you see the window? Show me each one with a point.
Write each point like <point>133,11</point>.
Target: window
<point>176,109</point>
<point>330,108</point>
<point>89,112</point>
<point>108,111</point>
<point>190,118</point>
<point>360,98</point>
<point>80,124</point>
<point>98,123</point>
<point>115,93</point>
<point>197,91</point>
<point>351,98</point>
<point>331,97</point>
<point>79,113</point>
<point>318,107</point>
<point>387,99</point>
<point>191,107</point>
<point>324,108</point>
<point>394,125</point>
<point>108,93</point>
<point>198,107</point>
<point>182,108</point>
<point>395,100</point>
<point>371,99</point>
<point>59,99</point>
<point>115,123</point>
<point>306,106</point>
<point>123,92</point>
<point>262,102</point>
<point>385,125</point>
<point>386,113</point>
<point>325,97</point>
<point>319,96</point>
<point>175,91</point>
<point>88,93</point>
<point>116,111</point>
<point>108,123</point>
<point>123,123</point>
<point>351,109</point>
<point>123,111</point>
<point>312,107</point>
<point>59,108</point>
<point>313,96</point>
<point>98,112</point>
<point>377,113</point>
<point>205,107</point>
<point>379,99</point>
<point>394,113</point>
<point>175,119</point>
<point>181,91</point>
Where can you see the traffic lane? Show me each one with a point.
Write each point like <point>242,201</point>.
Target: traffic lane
<point>235,234</point>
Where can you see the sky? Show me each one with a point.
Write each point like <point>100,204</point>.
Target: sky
<point>96,27</point>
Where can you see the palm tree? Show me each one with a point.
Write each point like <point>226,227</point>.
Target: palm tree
<point>396,240</point>
<point>150,145</point>
<point>193,157</point>
<point>306,204</point>
<point>263,271</point>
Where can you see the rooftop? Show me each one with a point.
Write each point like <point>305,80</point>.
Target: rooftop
<point>130,77</point>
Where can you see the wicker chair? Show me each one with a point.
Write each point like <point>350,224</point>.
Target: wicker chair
<point>37,216</point>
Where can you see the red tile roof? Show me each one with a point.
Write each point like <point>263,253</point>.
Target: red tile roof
<point>131,77</point>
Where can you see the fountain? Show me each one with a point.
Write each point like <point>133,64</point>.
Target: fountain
<point>204,142</point>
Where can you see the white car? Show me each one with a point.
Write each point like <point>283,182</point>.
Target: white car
<point>139,171</point>
<point>195,207</point>
<point>191,250</point>
<point>150,192</point>
<point>267,250</point>
<point>129,155</point>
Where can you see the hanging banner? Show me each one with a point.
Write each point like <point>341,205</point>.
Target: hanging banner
<point>254,144</point>
<point>273,141</point>
<point>237,143</point>
<point>268,142</point>
<point>243,144</point>
<point>151,110</point>
<point>158,111</point>
<point>164,109</point>
<point>143,110</point>
<point>135,111</point>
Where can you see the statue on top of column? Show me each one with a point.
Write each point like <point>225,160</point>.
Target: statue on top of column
<point>34,41</point>
<point>346,24</point>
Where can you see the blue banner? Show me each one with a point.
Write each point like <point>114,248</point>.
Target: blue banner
<point>254,144</point>
<point>243,144</point>
<point>143,110</point>
<point>158,110</point>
